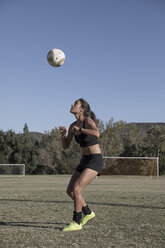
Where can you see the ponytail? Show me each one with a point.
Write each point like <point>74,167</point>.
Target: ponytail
<point>87,110</point>
<point>93,116</point>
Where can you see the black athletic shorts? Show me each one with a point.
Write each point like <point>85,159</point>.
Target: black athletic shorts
<point>92,161</point>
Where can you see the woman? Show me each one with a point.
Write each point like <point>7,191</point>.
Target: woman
<point>86,134</point>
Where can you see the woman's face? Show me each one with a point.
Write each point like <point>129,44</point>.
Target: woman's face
<point>76,108</point>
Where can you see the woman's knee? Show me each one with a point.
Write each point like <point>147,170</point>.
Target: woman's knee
<point>69,192</point>
<point>76,189</point>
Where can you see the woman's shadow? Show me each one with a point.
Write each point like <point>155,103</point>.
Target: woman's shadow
<point>33,224</point>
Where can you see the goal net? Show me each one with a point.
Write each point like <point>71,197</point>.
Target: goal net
<point>12,170</point>
<point>142,166</point>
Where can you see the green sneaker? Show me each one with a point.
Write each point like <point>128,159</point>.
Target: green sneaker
<point>73,226</point>
<point>88,217</point>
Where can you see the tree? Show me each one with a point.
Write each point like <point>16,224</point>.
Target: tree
<point>25,129</point>
<point>154,144</point>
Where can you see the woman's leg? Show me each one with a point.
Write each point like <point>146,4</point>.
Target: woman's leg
<point>81,182</point>
<point>70,187</point>
<point>75,186</point>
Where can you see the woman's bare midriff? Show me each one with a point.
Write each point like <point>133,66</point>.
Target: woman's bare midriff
<point>91,150</point>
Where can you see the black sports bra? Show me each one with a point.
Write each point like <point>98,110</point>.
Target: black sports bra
<point>85,140</point>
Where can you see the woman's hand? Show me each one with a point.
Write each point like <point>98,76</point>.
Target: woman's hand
<point>63,131</point>
<point>76,130</point>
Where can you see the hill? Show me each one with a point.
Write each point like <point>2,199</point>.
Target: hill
<point>147,125</point>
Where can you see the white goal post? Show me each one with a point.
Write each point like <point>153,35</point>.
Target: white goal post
<point>154,167</point>
<point>11,170</point>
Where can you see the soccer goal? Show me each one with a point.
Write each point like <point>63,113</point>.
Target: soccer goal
<point>7,170</point>
<point>142,166</point>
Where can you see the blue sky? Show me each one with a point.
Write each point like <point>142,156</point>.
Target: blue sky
<point>115,59</point>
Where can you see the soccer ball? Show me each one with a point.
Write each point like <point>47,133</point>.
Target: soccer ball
<point>56,57</point>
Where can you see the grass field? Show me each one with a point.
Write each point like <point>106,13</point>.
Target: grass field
<point>130,212</point>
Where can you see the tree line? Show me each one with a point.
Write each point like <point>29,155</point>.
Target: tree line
<point>43,153</point>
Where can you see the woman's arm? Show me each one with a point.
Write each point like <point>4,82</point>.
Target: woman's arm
<point>90,128</point>
<point>66,140</point>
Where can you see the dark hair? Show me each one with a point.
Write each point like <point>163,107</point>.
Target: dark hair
<point>87,110</point>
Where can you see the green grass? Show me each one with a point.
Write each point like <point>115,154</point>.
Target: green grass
<point>130,212</point>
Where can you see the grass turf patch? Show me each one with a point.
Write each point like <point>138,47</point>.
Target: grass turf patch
<point>129,213</point>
